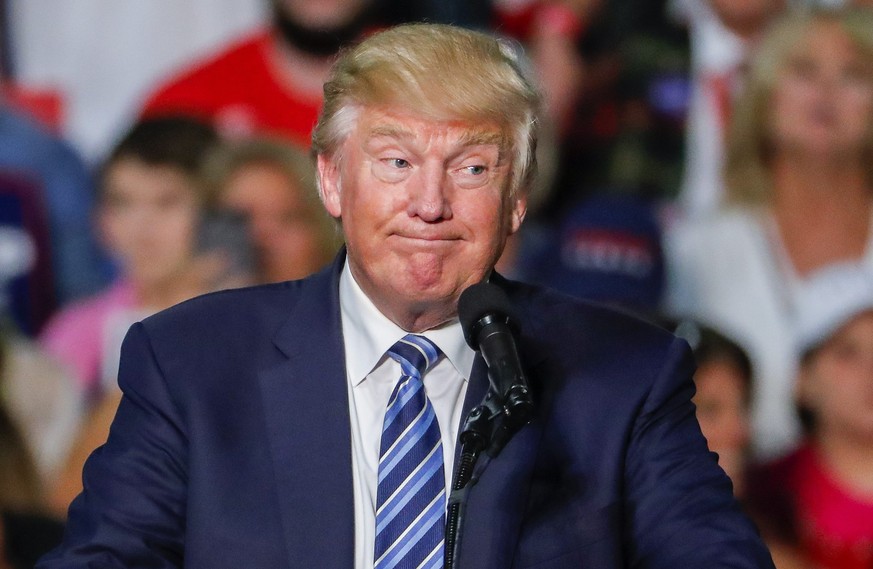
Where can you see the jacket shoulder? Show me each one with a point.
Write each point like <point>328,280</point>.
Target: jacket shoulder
<point>219,317</point>
<point>547,313</point>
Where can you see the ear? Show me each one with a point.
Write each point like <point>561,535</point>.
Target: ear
<point>519,210</point>
<point>329,182</point>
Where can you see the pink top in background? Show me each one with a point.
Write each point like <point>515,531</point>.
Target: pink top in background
<point>78,335</point>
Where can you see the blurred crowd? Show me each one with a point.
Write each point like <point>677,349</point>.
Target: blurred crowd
<point>704,164</point>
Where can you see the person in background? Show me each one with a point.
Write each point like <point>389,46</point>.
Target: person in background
<point>26,531</point>
<point>270,82</point>
<point>606,248</point>
<point>56,188</point>
<point>625,134</point>
<point>551,30</point>
<point>724,390</point>
<point>148,215</point>
<point>799,171</point>
<point>723,398</point>
<point>271,184</point>
<point>819,497</point>
<point>725,35</point>
<point>32,389</point>
<point>38,393</point>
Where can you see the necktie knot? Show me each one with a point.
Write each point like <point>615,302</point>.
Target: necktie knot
<point>415,354</point>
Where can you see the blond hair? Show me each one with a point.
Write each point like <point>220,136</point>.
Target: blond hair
<point>294,164</point>
<point>747,168</point>
<point>442,73</point>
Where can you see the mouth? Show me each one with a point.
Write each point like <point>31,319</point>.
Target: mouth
<point>408,244</point>
<point>425,238</point>
<point>823,115</point>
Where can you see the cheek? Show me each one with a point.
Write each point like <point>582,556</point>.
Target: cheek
<point>178,230</point>
<point>858,105</point>
<point>829,386</point>
<point>119,231</point>
<point>785,106</point>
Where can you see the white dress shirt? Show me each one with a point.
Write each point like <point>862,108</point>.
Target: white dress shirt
<point>371,375</point>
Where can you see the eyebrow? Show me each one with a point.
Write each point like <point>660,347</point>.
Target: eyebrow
<point>390,131</point>
<point>476,138</point>
<point>471,138</point>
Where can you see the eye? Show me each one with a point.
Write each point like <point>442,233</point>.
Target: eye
<point>803,68</point>
<point>392,169</point>
<point>397,162</point>
<point>856,75</point>
<point>472,175</point>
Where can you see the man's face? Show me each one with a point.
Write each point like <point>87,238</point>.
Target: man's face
<point>425,209</point>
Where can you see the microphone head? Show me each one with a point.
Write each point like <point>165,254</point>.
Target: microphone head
<point>480,300</point>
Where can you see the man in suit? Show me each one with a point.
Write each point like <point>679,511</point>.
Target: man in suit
<point>267,427</point>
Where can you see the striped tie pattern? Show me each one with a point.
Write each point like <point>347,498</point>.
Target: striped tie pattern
<point>410,500</point>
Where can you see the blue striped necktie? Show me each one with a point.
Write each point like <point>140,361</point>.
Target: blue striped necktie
<point>410,500</point>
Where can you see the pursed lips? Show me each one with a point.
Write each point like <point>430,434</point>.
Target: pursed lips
<point>425,239</point>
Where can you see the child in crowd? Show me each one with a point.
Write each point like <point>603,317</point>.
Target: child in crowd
<point>820,497</point>
<point>148,214</point>
<point>148,210</point>
<point>724,388</point>
<point>724,397</point>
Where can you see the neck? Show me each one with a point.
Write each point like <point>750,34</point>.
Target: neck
<point>418,319</point>
<point>848,460</point>
<point>822,210</point>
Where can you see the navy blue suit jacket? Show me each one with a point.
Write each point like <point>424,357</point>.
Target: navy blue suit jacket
<point>231,447</point>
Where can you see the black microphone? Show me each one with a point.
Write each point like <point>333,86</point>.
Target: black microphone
<point>486,313</point>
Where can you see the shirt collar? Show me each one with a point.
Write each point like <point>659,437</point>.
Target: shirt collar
<point>367,334</point>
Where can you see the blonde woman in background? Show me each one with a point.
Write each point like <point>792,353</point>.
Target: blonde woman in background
<point>800,154</point>
<point>271,185</point>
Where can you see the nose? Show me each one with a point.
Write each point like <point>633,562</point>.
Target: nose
<point>428,194</point>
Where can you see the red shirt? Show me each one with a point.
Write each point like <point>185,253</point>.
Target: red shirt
<point>833,527</point>
<point>239,91</point>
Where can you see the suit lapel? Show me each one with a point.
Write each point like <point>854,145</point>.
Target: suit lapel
<point>307,413</point>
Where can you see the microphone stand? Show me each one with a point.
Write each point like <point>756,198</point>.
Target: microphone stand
<point>488,427</point>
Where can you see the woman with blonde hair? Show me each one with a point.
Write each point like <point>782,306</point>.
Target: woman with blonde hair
<point>272,186</point>
<point>799,172</point>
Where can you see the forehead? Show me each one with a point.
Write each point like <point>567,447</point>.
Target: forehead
<point>375,124</point>
<point>134,174</point>
<point>826,40</point>
<point>859,324</point>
